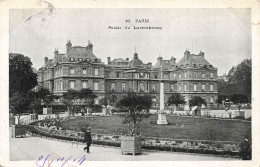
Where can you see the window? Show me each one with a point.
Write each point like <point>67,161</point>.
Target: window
<point>147,75</point>
<point>61,88</point>
<point>155,76</point>
<point>72,59</point>
<point>141,86</point>
<point>72,84</point>
<point>203,87</point>
<point>153,87</point>
<point>171,87</point>
<point>60,70</point>
<point>203,75</point>
<point>179,75</point>
<point>195,75</point>
<point>113,86</point>
<point>136,75</point>
<point>118,74</point>
<point>79,59</point>
<point>179,86</point>
<point>211,75</point>
<point>165,76</point>
<point>211,99</point>
<point>72,70</point>
<point>185,74</point>
<point>174,75</point>
<point>154,99</point>
<point>123,86</point>
<point>195,87</point>
<point>84,84</point>
<point>64,85</point>
<point>185,87</point>
<point>84,71</point>
<point>95,85</point>
<point>96,72</point>
<point>211,87</point>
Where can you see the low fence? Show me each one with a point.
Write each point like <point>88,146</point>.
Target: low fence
<point>224,148</point>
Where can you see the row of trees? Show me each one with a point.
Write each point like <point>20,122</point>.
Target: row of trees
<point>237,87</point>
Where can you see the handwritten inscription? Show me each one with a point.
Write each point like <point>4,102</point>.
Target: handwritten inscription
<point>62,161</point>
<point>135,25</point>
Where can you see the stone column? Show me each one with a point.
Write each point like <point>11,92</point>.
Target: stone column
<point>162,115</point>
<point>161,96</point>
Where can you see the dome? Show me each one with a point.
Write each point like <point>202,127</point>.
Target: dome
<point>136,62</point>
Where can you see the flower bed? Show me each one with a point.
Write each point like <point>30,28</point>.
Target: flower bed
<point>173,145</point>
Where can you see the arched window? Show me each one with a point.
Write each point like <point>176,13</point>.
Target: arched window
<point>141,86</point>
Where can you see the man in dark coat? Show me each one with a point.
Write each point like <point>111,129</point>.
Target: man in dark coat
<point>88,139</point>
<point>245,150</point>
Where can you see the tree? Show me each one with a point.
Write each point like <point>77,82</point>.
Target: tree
<point>197,101</point>
<point>21,75</point>
<point>241,76</point>
<point>87,95</point>
<point>175,100</point>
<point>36,106</point>
<point>69,97</point>
<point>19,104</point>
<point>109,99</point>
<point>136,108</point>
<point>21,80</point>
<point>239,99</point>
<point>42,93</point>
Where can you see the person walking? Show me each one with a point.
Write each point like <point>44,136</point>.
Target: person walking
<point>88,139</point>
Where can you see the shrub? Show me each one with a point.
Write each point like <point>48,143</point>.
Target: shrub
<point>239,117</point>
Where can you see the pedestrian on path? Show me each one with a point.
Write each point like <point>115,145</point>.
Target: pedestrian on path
<point>88,139</point>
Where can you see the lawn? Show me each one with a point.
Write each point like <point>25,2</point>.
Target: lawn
<point>178,128</point>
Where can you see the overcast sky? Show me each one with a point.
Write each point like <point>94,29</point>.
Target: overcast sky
<point>223,34</point>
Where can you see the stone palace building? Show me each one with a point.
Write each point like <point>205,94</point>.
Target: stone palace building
<point>79,68</point>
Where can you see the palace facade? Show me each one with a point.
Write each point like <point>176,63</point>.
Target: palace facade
<point>79,68</point>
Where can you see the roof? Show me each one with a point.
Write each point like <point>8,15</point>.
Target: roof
<point>192,59</point>
<point>80,52</point>
<point>165,64</point>
<point>119,60</point>
<point>49,63</point>
<point>136,62</point>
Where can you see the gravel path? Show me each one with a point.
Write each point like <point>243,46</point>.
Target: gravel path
<point>31,148</point>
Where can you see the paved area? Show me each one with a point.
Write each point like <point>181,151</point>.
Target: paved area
<point>32,148</point>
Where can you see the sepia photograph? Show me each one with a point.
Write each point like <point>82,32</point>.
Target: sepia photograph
<point>129,84</point>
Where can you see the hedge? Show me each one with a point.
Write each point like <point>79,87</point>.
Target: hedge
<point>32,129</point>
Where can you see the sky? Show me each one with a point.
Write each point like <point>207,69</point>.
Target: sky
<point>223,34</point>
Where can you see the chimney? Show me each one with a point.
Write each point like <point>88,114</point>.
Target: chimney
<point>159,59</point>
<point>90,46</point>
<point>172,60</point>
<point>68,46</point>
<point>186,54</point>
<point>45,60</point>
<point>127,59</point>
<point>202,54</point>
<point>108,60</point>
<point>56,52</point>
